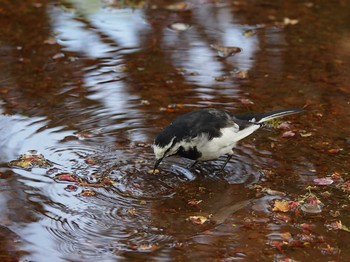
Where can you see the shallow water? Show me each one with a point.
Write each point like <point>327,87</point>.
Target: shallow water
<point>88,84</point>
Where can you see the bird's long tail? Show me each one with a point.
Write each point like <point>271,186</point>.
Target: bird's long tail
<point>263,117</point>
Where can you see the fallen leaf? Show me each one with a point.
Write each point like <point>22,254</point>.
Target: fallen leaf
<point>336,176</point>
<point>194,202</point>
<point>107,181</point>
<point>71,188</point>
<point>284,125</point>
<point>286,235</point>
<point>344,186</point>
<point>281,206</point>
<point>132,211</point>
<point>30,160</point>
<point>67,177</point>
<point>88,193</point>
<point>198,220</point>
<point>323,181</point>
<point>90,161</point>
<point>288,134</point>
<point>334,150</point>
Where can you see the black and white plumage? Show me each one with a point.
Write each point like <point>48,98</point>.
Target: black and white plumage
<point>209,133</point>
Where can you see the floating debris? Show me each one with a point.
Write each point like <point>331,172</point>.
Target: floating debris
<point>226,51</point>
<point>30,160</point>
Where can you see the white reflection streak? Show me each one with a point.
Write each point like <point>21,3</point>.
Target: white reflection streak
<point>123,27</point>
<point>74,36</point>
<point>199,57</point>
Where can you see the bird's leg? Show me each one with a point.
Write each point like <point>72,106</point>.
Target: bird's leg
<point>227,160</point>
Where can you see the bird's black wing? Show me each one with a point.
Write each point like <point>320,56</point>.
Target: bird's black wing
<point>195,123</point>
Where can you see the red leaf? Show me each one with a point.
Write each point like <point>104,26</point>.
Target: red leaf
<point>66,177</point>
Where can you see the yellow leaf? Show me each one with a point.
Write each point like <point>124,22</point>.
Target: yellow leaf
<point>281,206</point>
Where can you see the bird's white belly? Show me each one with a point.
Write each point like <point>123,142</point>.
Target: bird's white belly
<point>218,146</point>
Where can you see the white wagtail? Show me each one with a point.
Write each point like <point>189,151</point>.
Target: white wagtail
<point>209,133</point>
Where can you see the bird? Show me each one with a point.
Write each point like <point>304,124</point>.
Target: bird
<point>209,133</point>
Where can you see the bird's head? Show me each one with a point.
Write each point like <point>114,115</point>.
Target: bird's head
<point>161,151</point>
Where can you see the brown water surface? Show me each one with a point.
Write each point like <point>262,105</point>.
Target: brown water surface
<point>88,84</point>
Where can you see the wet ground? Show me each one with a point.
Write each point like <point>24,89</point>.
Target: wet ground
<point>86,85</point>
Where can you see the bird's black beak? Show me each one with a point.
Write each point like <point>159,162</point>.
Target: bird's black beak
<point>157,164</point>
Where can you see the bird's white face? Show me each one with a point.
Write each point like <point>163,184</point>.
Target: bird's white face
<point>161,152</point>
